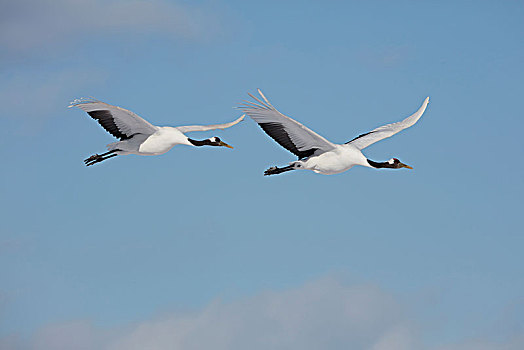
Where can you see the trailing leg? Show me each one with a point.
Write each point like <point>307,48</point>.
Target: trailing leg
<point>276,170</point>
<point>96,158</point>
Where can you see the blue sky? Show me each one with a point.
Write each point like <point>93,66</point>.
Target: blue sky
<point>195,248</point>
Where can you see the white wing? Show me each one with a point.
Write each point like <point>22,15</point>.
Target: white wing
<point>189,128</point>
<point>289,133</point>
<point>119,122</point>
<point>388,130</point>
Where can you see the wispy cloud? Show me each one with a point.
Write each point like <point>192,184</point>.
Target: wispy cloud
<point>516,343</point>
<point>385,57</point>
<point>323,314</point>
<point>27,26</point>
<point>39,66</point>
<point>35,95</point>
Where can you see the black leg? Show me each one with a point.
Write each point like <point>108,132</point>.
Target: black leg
<point>276,170</point>
<point>90,159</point>
<point>96,158</point>
<point>108,153</point>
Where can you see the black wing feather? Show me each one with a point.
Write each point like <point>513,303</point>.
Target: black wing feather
<point>106,120</point>
<point>359,136</point>
<point>277,132</point>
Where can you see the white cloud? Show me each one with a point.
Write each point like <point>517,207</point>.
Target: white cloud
<point>399,338</point>
<point>324,314</point>
<point>320,315</point>
<point>27,25</point>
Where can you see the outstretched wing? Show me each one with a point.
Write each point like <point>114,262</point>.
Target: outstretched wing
<point>289,133</point>
<point>388,130</point>
<point>119,122</point>
<point>189,128</point>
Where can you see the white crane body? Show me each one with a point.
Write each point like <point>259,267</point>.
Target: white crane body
<point>314,151</point>
<point>138,136</point>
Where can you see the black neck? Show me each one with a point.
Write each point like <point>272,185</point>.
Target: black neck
<point>380,165</point>
<point>205,142</point>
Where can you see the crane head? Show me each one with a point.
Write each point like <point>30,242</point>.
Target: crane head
<point>215,141</point>
<point>397,164</point>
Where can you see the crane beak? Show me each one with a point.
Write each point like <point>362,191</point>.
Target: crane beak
<point>402,165</point>
<point>225,144</point>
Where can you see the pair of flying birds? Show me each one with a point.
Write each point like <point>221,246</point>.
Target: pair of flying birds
<point>138,136</point>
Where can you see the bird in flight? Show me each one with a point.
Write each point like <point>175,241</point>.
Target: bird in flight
<point>138,136</point>
<point>316,153</point>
